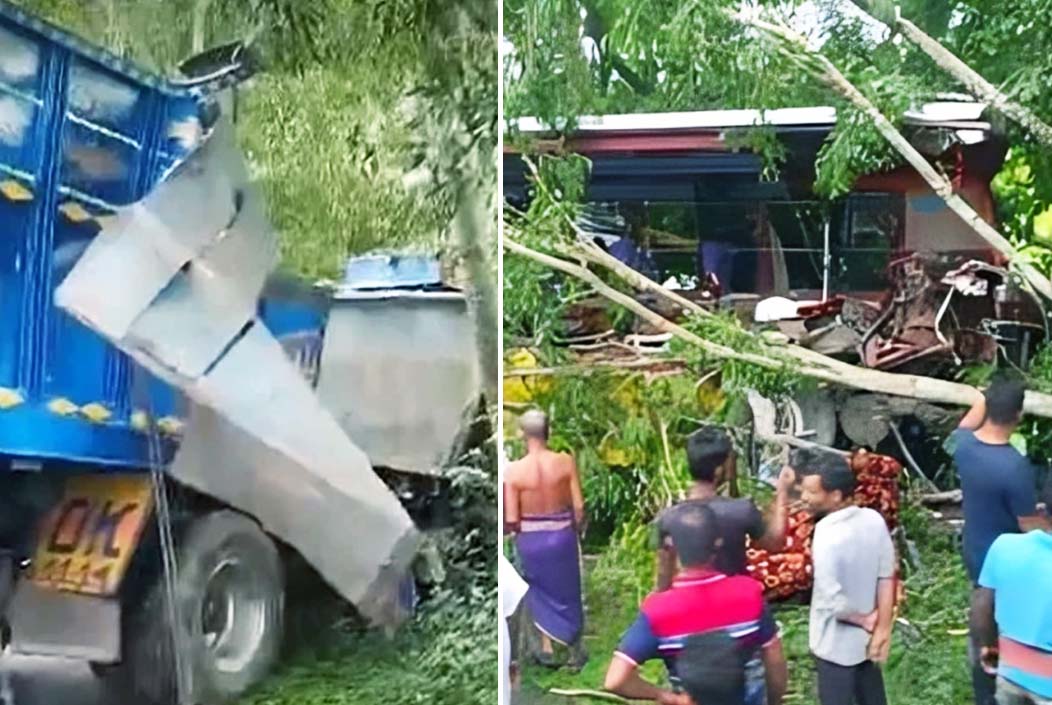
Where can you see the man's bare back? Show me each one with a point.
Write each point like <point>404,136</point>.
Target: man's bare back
<point>543,482</point>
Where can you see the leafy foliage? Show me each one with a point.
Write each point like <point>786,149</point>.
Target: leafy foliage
<point>536,297</point>
<point>445,657</point>
<point>626,434</point>
<point>738,376</point>
<point>329,128</point>
<point>614,56</point>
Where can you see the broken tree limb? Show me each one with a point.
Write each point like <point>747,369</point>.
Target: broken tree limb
<point>810,363</point>
<point>793,441</point>
<point>655,319</point>
<point>831,76</point>
<point>585,248</point>
<point>924,388</point>
<point>962,72</point>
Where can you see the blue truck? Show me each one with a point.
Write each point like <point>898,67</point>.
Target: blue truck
<point>173,585</point>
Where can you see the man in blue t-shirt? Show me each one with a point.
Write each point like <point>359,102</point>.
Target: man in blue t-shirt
<point>1015,598</point>
<point>998,486</point>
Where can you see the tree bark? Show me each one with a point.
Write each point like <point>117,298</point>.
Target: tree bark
<point>832,77</point>
<point>473,228</point>
<point>197,39</point>
<point>807,362</point>
<point>968,77</point>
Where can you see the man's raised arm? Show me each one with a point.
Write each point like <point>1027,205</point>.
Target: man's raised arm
<point>975,416</point>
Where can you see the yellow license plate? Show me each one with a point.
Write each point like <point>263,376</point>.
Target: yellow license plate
<point>87,541</point>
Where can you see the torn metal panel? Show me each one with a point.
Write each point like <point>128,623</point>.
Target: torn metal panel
<point>394,367</point>
<point>135,258</point>
<point>272,451</point>
<point>173,284</point>
<point>193,320</point>
<point>942,310</point>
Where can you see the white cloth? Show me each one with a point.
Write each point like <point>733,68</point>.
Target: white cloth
<point>852,551</point>
<point>512,589</point>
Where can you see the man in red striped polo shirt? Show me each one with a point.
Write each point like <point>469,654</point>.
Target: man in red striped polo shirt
<point>702,602</point>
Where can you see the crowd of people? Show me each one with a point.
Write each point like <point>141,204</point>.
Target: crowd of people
<point>709,622</point>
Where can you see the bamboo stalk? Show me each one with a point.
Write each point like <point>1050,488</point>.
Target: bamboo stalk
<point>962,72</point>
<point>831,76</point>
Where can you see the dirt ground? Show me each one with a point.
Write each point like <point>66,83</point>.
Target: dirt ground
<point>39,681</point>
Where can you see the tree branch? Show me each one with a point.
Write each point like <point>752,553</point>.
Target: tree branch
<point>963,73</point>
<point>832,77</point>
<point>810,363</point>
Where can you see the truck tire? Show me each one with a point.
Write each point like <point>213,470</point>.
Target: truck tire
<point>230,598</point>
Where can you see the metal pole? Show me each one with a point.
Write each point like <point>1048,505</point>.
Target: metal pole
<point>825,262</point>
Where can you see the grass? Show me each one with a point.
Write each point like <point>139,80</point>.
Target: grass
<point>927,664</point>
<point>445,657</point>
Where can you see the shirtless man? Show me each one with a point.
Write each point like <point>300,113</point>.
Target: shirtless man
<point>544,507</point>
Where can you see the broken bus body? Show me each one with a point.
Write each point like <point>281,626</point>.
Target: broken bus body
<point>886,276</point>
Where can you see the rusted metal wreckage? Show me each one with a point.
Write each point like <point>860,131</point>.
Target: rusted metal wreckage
<point>886,276</point>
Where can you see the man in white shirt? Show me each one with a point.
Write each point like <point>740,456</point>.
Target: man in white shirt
<point>512,589</point>
<point>852,604</point>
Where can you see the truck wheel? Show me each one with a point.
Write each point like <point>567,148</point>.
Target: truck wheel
<point>230,597</point>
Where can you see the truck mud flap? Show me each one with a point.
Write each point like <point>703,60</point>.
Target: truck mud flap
<point>173,282</point>
<point>47,622</point>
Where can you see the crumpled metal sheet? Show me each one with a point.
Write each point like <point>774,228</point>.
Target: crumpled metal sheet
<point>173,283</point>
<point>305,481</point>
<point>396,390</point>
<point>135,257</point>
<point>189,324</point>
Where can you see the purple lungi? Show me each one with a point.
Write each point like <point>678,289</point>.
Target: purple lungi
<point>551,563</point>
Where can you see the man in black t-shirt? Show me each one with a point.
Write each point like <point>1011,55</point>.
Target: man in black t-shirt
<point>999,490</point>
<point>711,459</point>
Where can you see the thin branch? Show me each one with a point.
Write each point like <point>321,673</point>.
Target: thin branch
<point>832,77</point>
<point>910,462</point>
<point>655,319</point>
<point>786,439</point>
<point>589,367</point>
<point>965,74</point>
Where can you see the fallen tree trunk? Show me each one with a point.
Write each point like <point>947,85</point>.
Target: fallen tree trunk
<point>806,362</point>
<point>965,74</point>
<point>831,76</point>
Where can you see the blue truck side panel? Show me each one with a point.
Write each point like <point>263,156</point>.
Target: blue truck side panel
<point>81,133</point>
